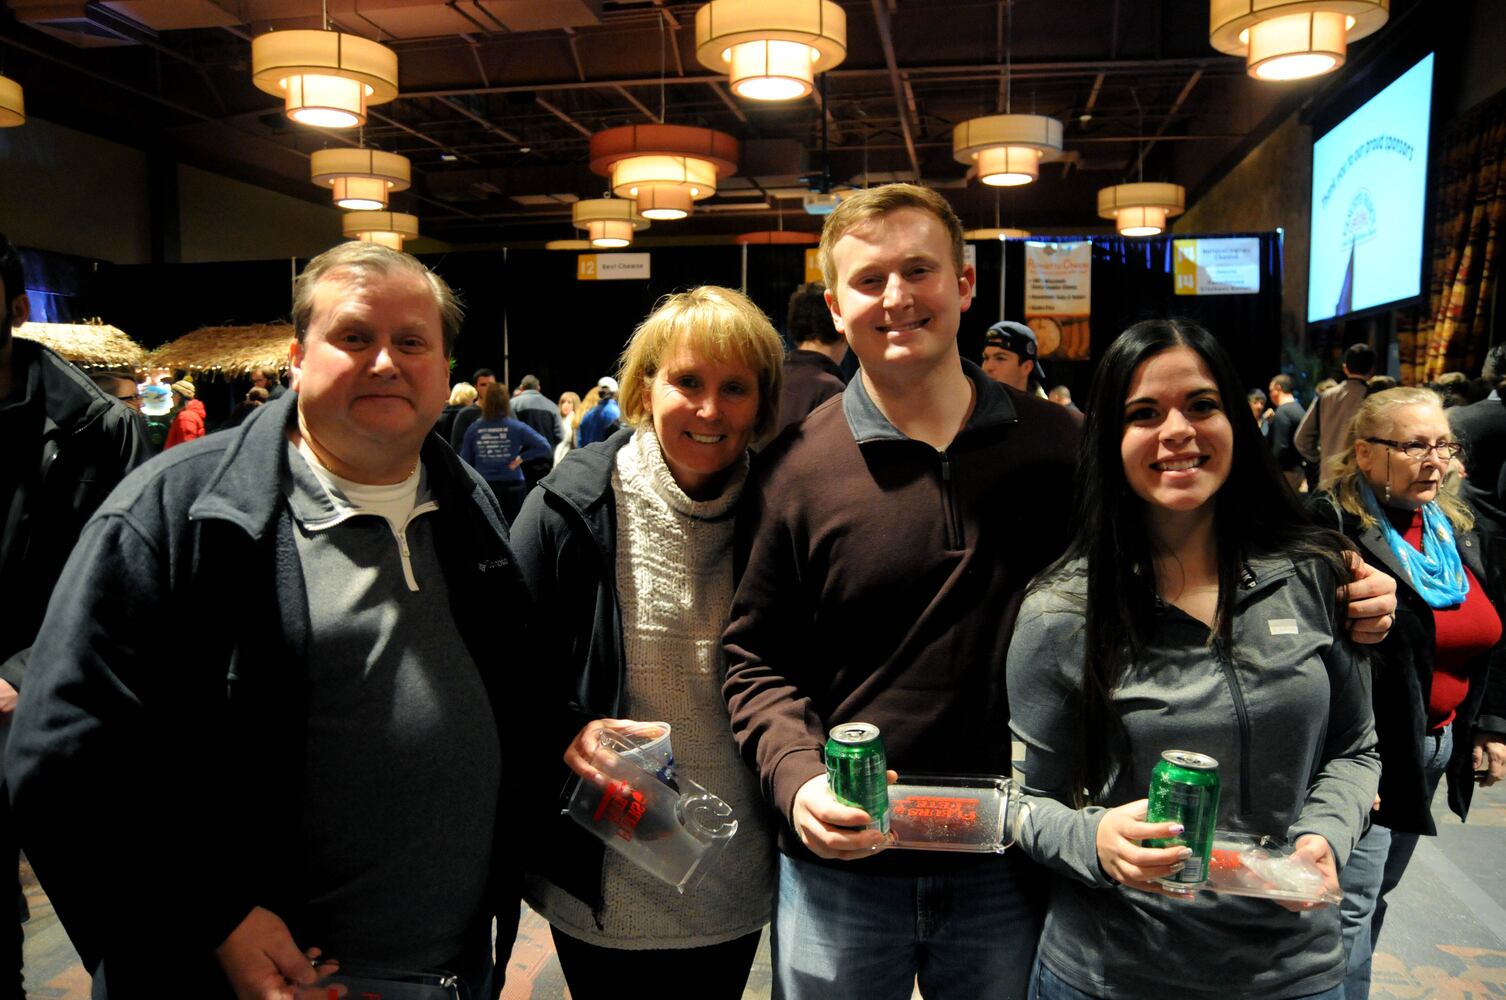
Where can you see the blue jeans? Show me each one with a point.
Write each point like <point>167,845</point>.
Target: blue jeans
<point>845,934</point>
<point>1375,866</point>
<point>1047,985</point>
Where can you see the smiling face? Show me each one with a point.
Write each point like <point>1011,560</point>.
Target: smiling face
<point>1413,481</point>
<point>704,412</point>
<point>1178,444</point>
<point>371,373</point>
<point>898,297</point>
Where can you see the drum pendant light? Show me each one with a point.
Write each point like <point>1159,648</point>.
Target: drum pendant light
<point>771,49</point>
<point>1292,39</point>
<point>12,103</point>
<point>360,178</point>
<point>389,229</point>
<point>325,78</point>
<point>665,168</point>
<point>1007,149</point>
<point>1141,209</point>
<point>609,222</point>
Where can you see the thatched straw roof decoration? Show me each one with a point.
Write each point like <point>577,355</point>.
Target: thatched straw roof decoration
<point>228,350</point>
<point>91,344</point>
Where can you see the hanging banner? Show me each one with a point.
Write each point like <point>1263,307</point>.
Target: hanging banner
<point>611,266</point>
<point>1216,267</point>
<point>1057,290</point>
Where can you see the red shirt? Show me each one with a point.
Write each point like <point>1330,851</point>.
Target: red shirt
<point>1464,632</point>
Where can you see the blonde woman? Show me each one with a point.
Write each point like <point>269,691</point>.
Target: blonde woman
<point>570,417</point>
<point>463,395</point>
<point>628,549</point>
<point>1438,710</point>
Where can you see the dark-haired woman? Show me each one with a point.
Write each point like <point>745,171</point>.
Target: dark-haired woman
<point>496,446</point>
<point>1438,710</point>
<point>1194,611</point>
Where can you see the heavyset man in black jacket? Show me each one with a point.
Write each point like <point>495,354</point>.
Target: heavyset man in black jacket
<point>323,768</point>
<point>64,444</point>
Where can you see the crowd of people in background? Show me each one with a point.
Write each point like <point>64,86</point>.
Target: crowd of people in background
<point>447,594</point>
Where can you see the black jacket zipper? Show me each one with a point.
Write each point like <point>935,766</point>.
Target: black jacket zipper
<point>948,502</point>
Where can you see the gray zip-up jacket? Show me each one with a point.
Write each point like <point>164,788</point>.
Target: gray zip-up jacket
<point>1287,715</point>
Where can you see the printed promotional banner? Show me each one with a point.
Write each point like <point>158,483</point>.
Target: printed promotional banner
<point>612,266</point>
<point>1216,267</point>
<point>812,267</point>
<point>1057,290</point>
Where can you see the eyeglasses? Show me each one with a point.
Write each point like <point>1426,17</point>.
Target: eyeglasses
<point>1419,449</point>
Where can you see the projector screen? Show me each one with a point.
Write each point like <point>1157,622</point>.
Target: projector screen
<point>1369,197</point>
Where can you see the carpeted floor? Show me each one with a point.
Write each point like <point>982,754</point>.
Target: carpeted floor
<point>1445,936</point>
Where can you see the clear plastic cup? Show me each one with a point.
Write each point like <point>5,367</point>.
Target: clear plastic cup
<point>671,828</point>
<point>647,743</point>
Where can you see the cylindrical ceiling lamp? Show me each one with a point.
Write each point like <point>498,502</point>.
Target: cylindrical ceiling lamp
<point>12,103</point>
<point>1292,39</point>
<point>608,222</point>
<point>771,49</point>
<point>995,233</point>
<point>779,237</point>
<point>326,78</point>
<point>567,245</point>
<point>1141,209</point>
<point>389,229</point>
<point>1007,149</point>
<point>360,178</point>
<point>665,168</point>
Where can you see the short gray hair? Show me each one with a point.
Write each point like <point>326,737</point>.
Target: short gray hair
<point>374,259</point>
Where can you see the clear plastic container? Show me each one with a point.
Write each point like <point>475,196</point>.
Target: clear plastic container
<point>945,812</point>
<point>669,826</point>
<point>1248,865</point>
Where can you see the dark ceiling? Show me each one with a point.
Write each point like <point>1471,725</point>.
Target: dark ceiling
<point>498,99</point>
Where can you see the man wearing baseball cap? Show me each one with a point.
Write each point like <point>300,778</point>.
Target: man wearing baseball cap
<point>605,417</point>
<point>1009,355</point>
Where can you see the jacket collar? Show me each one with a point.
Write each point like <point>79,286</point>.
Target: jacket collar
<point>815,359</point>
<point>993,408</point>
<point>584,481</point>
<point>246,487</point>
<point>69,399</point>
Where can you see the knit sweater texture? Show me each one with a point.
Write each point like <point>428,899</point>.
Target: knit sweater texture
<point>674,584</point>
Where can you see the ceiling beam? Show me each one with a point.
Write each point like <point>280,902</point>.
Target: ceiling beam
<point>716,88</point>
<point>881,18</point>
<point>639,105</point>
<point>461,109</point>
<point>563,117</point>
<point>1166,122</point>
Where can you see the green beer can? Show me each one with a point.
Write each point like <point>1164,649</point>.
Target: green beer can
<point>1184,789</point>
<point>856,770</point>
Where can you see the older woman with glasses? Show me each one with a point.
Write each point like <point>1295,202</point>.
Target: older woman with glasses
<point>1438,709</point>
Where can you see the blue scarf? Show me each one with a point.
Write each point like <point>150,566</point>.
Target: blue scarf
<point>1436,573</point>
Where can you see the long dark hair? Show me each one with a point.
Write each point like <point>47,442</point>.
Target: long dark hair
<point>1255,512</point>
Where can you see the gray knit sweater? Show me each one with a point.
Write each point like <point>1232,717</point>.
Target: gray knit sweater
<point>674,583</point>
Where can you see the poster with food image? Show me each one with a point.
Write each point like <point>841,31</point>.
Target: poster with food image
<point>1058,287</point>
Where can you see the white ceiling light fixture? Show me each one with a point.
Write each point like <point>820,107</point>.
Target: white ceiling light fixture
<point>389,229</point>
<point>996,233</point>
<point>1141,209</point>
<point>1292,39</point>
<point>325,78</point>
<point>12,103</point>
<point>361,179</point>
<point>771,49</point>
<point>1007,149</point>
<point>665,168</point>
<point>609,222</point>
<point>567,245</point>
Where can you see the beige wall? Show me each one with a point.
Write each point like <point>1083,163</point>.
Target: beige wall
<point>73,193</point>
<point>1269,189</point>
<point>224,219</point>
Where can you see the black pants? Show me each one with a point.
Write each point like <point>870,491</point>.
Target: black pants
<point>510,496</point>
<point>716,972</point>
<point>11,933</point>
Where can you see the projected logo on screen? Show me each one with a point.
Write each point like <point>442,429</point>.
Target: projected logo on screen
<point>1368,198</point>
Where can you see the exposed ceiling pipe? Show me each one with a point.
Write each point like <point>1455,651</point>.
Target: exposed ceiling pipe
<point>881,17</point>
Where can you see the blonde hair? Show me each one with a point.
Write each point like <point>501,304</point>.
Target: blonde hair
<point>713,322</point>
<point>1374,418</point>
<point>869,204</point>
<point>464,394</point>
<point>365,261</point>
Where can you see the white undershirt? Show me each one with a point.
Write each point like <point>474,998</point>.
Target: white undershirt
<point>394,502</point>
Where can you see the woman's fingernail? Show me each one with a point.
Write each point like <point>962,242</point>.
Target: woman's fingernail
<point>1185,852</point>
<point>1176,829</point>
